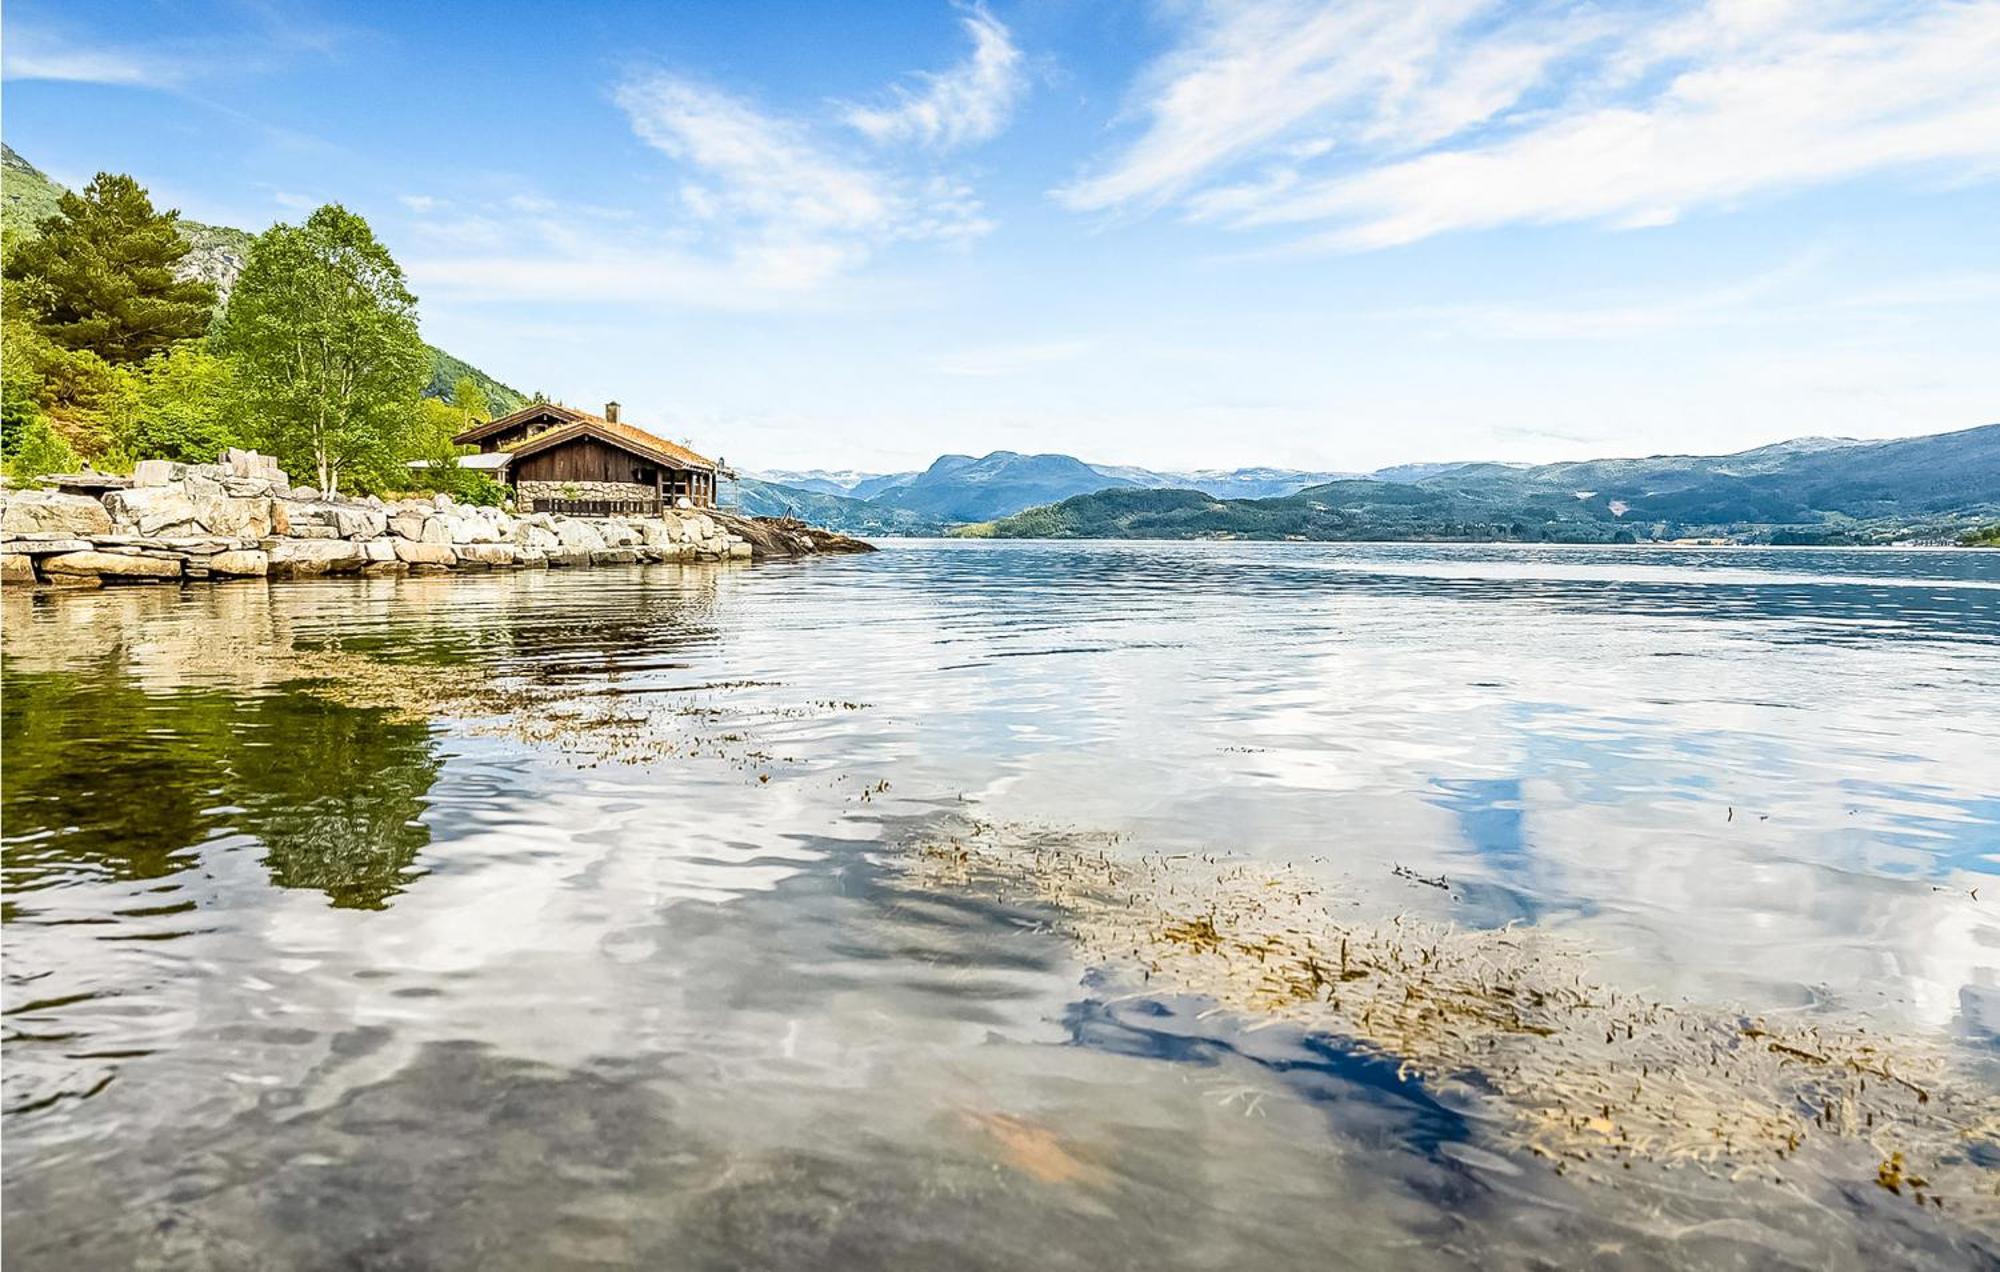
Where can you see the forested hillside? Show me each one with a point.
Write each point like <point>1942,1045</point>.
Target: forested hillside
<point>220,252</point>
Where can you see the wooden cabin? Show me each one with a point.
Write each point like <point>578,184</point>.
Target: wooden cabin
<point>559,459</point>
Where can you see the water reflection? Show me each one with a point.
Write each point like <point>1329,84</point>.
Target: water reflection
<point>317,982</point>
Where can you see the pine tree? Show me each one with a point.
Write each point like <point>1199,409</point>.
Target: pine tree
<point>100,278</point>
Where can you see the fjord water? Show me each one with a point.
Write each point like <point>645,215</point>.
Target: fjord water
<point>294,982</point>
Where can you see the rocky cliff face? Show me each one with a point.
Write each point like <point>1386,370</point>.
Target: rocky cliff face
<point>243,518</point>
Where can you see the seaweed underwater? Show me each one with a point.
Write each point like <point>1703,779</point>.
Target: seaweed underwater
<point>1592,1079</point>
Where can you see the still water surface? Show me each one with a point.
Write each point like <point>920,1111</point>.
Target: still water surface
<point>292,982</point>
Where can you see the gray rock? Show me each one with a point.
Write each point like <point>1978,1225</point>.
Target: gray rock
<point>408,523</point>
<point>614,556</point>
<point>204,486</point>
<point>295,558</point>
<point>358,522</point>
<point>489,554</point>
<point>245,518</point>
<point>527,535</point>
<point>157,472</point>
<point>379,550</point>
<point>51,512</point>
<point>579,536</point>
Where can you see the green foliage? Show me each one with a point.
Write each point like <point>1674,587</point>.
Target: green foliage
<point>33,448</point>
<point>468,397</point>
<point>429,439</point>
<point>480,489</point>
<point>1984,537</point>
<point>328,357</point>
<point>188,407</point>
<point>20,405</point>
<point>100,276</point>
<point>87,402</point>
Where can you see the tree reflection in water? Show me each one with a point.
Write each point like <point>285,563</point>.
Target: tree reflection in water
<point>107,782</point>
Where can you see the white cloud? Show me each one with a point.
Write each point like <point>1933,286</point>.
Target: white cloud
<point>752,164</point>
<point>37,55</point>
<point>1458,116</point>
<point>248,39</point>
<point>420,203</point>
<point>969,103</point>
<point>773,216</point>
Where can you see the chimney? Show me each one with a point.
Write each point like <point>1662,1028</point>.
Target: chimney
<point>611,411</point>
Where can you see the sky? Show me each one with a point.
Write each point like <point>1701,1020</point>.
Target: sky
<point>1185,234</point>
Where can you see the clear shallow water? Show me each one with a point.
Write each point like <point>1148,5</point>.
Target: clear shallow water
<point>296,983</point>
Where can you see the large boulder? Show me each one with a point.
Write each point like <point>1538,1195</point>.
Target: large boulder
<point>408,523</point>
<point>303,558</point>
<point>579,536</point>
<point>157,472</point>
<point>165,509</point>
<point>424,553</point>
<point>492,554</point>
<point>239,518</point>
<point>468,527</point>
<point>15,568</point>
<point>51,512</point>
<point>241,563</point>
<point>112,565</point>
<point>351,521</point>
<point>539,538</point>
<point>293,515</point>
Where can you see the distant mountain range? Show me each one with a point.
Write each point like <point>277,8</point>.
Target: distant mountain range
<point>1814,490</point>
<point>957,489</point>
<point>1809,490</point>
<point>27,196</point>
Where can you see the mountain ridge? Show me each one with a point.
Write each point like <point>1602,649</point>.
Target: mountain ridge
<point>1809,490</point>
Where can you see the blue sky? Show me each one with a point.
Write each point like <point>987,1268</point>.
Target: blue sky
<point>1185,234</point>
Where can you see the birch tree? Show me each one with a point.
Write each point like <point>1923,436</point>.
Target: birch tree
<point>324,332</point>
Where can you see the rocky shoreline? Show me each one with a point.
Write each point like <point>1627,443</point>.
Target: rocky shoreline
<point>242,518</point>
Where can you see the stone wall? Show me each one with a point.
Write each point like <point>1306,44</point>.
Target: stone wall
<point>243,519</point>
<point>530,493</point>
